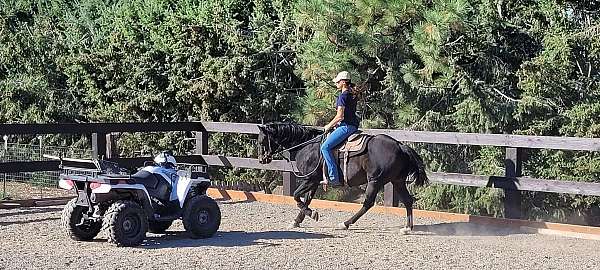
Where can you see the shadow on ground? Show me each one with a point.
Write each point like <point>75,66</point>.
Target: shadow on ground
<point>26,221</point>
<point>228,239</point>
<point>25,212</point>
<point>443,229</point>
<point>227,202</point>
<point>466,229</point>
<point>29,210</point>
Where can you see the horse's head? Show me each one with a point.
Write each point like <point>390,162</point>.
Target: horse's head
<point>265,145</point>
<point>275,137</point>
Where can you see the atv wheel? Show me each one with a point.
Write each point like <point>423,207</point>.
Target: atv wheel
<point>71,220</point>
<point>159,226</point>
<point>125,224</point>
<point>201,216</point>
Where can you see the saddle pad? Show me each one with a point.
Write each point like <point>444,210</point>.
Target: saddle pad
<point>354,143</point>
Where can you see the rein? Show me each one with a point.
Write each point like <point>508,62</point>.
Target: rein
<point>319,138</point>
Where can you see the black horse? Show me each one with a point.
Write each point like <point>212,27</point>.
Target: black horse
<point>385,160</point>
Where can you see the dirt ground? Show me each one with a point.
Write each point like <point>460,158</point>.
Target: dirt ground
<point>255,235</point>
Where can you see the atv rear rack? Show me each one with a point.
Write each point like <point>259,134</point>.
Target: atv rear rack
<point>89,167</point>
<point>94,167</point>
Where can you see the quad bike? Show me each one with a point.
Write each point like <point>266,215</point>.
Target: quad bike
<point>127,206</point>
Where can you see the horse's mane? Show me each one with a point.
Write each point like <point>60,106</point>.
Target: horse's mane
<point>290,134</point>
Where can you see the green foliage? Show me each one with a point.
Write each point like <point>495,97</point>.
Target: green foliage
<point>521,67</point>
<point>146,60</point>
<point>368,38</point>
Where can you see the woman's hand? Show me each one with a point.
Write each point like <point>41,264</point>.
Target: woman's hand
<point>339,116</point>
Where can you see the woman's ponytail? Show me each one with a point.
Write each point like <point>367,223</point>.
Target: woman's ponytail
<point>358,90</point>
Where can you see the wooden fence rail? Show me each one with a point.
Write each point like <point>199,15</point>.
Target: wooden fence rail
<point>513,182</point>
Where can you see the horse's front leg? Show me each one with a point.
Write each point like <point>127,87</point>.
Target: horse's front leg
<point>303,203</point>
<point>298,220</point>
<point>370,196</point>
<point>305,211</point>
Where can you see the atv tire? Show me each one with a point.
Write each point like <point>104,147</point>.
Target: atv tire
<point>201,216</point>
<point>71,220</point>
<point>159,226</point>
<point>125,224</point>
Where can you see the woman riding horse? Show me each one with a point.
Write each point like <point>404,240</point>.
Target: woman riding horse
<point>385,160</point>
<point>345,123</point>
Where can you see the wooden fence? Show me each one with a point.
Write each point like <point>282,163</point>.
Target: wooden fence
<point>512,182</point>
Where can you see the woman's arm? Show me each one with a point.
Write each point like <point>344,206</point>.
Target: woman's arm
<point>339,116</point>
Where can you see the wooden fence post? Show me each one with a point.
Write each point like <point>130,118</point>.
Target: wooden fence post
<point>514,168</point>
<point>98,145</point>
<point>201,143</point>
<point>112,150</point>
<point>390,196</point>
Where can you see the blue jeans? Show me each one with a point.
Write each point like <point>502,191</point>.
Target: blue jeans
<point>340,134</point>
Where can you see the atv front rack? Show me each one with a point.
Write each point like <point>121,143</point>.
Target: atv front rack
<point>192,167</point>
<point>193,170</point>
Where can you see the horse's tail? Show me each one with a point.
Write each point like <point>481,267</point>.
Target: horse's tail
<point>417,168</point>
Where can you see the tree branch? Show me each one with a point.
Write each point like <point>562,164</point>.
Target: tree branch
<point>504,95</point>
<point>499,7</point>
<point>457,40</point>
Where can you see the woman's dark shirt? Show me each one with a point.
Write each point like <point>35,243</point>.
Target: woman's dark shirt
<point>347,101</point>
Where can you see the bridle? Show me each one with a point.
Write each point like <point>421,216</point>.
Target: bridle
<point>270,154</point>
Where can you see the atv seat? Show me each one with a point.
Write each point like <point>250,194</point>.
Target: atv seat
<point>155,184</point>
<point>145,178</point>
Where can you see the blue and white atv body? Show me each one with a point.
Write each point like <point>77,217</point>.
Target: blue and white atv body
<point>127,206</point>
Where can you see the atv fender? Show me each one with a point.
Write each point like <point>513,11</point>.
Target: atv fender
<point>186,183</point>
<point>137,190</point>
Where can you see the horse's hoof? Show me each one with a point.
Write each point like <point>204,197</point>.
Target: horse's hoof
<point>294,225</point>
<point>405,231</point>
<point>342,226</point>
<point>315,215</point>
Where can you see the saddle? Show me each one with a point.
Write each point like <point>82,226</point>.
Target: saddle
<point>355,145</point>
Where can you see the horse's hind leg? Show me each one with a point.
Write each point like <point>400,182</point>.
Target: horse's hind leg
<point>408,201</point>
<point>371,194</point>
